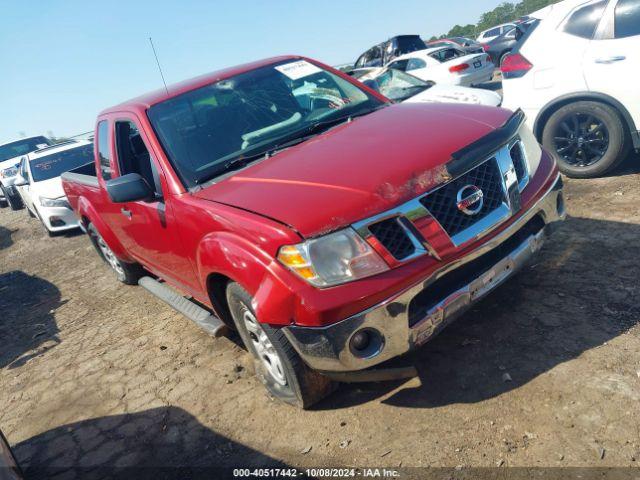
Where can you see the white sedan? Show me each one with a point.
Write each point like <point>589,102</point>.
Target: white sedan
<point>446,65</point>
<point>40,186</point>
<point>402,87</point>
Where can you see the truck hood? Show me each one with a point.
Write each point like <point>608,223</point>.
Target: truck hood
<point>357,169</point>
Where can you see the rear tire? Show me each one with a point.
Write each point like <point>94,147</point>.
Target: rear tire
<point>586,138</point>
<point>14,201</point>
<point>128,273</point>
<point>278,365</point>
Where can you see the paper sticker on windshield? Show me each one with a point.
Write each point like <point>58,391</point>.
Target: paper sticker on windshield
<point>299,69</point>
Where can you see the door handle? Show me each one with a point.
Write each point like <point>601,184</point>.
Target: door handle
<point>126,213</point>
<point>606,60</point>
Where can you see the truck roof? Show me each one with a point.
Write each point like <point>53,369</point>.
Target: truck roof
<point>143,102</point>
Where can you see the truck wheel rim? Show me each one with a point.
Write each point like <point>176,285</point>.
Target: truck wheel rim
<point>581,139</point>
<point>263,347</point>
<point>109,256</point>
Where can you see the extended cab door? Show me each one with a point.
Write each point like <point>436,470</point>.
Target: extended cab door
<point>148,229</point>
<point>612,61</point>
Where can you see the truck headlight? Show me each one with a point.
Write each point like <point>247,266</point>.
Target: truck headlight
<point>9,172</point>
<point>54,202</point>
<point>332,259</point>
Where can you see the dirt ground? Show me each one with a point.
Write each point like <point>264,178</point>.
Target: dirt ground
<point>95,373</point>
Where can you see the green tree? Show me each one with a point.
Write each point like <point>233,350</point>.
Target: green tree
<point>503,13</point>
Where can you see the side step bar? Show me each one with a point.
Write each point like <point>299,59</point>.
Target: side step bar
<point>201,317</point>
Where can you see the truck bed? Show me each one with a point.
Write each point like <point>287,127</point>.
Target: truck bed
<point>85,175</point>
<point>81,182</point>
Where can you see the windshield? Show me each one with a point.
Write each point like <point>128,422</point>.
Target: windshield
<point>55,164</point>
<point>398,86</point>
<point>203,130</point>
<point>21,147</point>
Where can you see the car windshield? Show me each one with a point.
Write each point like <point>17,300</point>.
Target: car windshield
<point>398,86</point>
<point>206,130</point>
<point>55,164</point>
<point>21,147</point>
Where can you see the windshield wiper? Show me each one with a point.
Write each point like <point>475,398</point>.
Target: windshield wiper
<point>306,133</point>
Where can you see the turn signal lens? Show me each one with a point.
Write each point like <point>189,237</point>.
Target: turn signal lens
<point>332,259</point>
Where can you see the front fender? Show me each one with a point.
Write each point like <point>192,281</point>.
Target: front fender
<point>87,211</point>
<point>257,272</point>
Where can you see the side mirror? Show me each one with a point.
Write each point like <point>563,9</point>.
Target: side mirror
<point>20,181</point>
<point>518,33</point>
<point>129,188</point>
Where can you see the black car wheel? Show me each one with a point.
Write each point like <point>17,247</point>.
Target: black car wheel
<point>12,197</point>
<point>586,138</point>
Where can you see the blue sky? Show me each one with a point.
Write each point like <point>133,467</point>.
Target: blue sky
<point>61,62</point>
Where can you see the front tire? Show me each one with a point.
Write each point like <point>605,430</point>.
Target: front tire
<point>278,365</point>
<point>128,273</point>
<point>586,138</point>
<point>14,201</point>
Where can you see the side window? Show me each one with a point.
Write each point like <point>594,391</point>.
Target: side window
<point>361,61</point>
<point>400,65</point>
<point>627,20</point>
<point>583,21</point>
<point>133,156</point>
<point>104,154</point>
<point>492,33</point>
<point>416,63</point>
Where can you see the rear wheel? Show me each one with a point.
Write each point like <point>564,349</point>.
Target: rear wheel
<point>128,273</point>
<point>586,138</point>
<point>278,365</point>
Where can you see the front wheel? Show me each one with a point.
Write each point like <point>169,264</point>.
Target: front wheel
<point>14,201</point>
<point>128,273</point>
<point>586,138</point>
<point>278,365</point>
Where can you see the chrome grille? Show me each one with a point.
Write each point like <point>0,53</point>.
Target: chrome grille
<point>393,237</point>
<point>519,162</point>
<point>442,203</point>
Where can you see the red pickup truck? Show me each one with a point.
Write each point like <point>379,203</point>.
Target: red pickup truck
<point>332,229</point>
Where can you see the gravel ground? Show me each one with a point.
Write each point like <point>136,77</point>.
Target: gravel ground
<point>544,372</point>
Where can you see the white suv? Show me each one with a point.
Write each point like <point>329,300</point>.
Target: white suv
<point>576,75</point>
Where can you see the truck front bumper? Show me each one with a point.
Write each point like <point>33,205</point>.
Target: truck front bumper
<point>413,317</point>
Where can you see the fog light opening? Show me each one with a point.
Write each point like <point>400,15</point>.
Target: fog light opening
<point>366,343</point>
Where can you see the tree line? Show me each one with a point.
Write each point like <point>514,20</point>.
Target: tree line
<point>503,13</point>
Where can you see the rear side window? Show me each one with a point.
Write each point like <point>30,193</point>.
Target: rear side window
<point>399,65</point>
<point>494,32</point>
<point>104,153</point>
<point>627,21</point>
<point>583,21</point>
<point>446,54</point>
<point>416,63</point>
